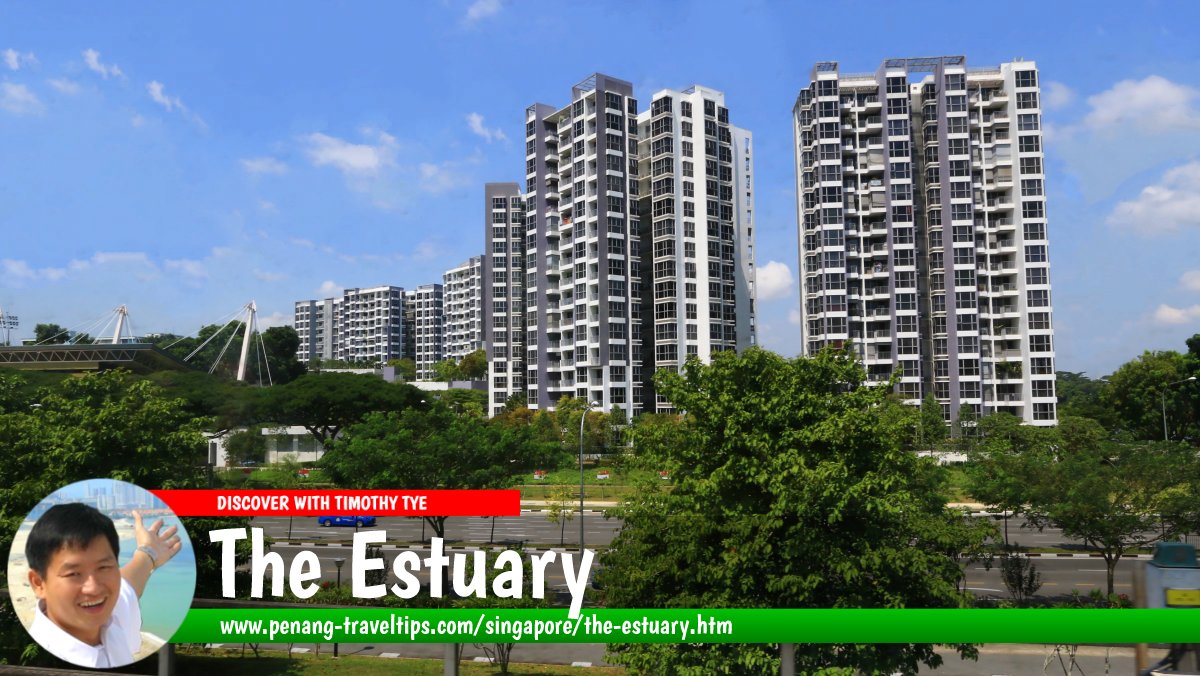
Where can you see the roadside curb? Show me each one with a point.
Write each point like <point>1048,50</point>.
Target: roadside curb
<point>1083,556</point>
<point>422,547</point>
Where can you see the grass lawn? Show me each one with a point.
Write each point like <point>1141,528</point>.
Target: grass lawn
<point>617,486</point>
<point>956,487</point>
<point>191,660</point>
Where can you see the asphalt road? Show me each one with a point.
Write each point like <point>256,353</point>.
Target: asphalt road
<point>530,527</point>
<point>1060,576</point>
<point>535,528</point>
<point>994,660</point>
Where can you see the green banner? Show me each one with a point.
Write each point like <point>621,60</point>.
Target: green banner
<point>375,625</point>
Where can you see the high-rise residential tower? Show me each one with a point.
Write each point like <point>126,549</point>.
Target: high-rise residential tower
<point>426,303</point>
<point>922,228</point>
<point>364,325</point>
<point>503,289</point>
<point>581,249</point>
<point>577,300</point>
<point>462,321</point>
<point>697,229</point>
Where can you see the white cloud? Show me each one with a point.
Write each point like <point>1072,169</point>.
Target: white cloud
<point>774,280</point>
<point>18,100</point>
<point>16,269</point>
<point>437,178</point>
<point>272,320</point>
<point>1165,314</point>
<point>14,59</point>
<point>263,165</point>
<point>475,122</point>
<point>305,243</point>
<point>137,120</point>
<point>16,272</point>
<point>64,86</point>
<point>1165,207</point>
<point>351,159</point>
<point>1190,280</point>
<point>92,58</point>
<point>223,251</point>
<point>1154,104</point>
<point>269,276</point>
<point>121,258</point>
<point>191,268</point>
<point>172,103</point>
<point>155,89</point>
<point>794,316</point>
<point>1057,95</point>
<point>329,289</point>
<point>481,9</point>
<point>267,205</point>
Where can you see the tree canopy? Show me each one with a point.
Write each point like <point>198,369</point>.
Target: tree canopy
<point>432,448</point>
<point>324,403</point>
<point>793,491</point>
<point>1113,495</point>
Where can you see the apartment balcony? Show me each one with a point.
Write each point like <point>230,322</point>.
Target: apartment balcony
<point>997,156</point>
<point>1009,399</point>
<point>998,290</point>
<point>1001,268</point>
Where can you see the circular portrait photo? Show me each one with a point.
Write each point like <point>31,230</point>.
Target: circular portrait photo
<point>101,573</point>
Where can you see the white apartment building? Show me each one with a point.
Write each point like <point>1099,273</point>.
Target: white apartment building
<point>504,292</point>
<point>923,232</point>
<point>362,325</point>
<point>462,321</point>
<point>569,302</point>
<point>697,219</point>
<point>426,306</point>
<point>314,322</point>
<point>582,278</point>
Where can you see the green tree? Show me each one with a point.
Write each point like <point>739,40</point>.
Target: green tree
<point>246,445</point>
<point>1115,496</point>
<point>791,491</point>
<point>465,402</point>
<point>1135,393</point>
<point>53,334</point>
<point>100,425</point>
<point>446,370</point>
<point>281,344</point>
<point>931,428</point>
<point>324,403</point>
<point>225,403</point>
<point>1006,453</point>
<point>1081,397</point>
<point>429,449</point>
<point>405,368</point>
<point>560,510</point>
<point>474,366</point>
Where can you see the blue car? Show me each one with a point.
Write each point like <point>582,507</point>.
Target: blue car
<point>346,521</point>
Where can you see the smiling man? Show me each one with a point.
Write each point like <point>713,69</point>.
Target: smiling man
<point>88,608</point>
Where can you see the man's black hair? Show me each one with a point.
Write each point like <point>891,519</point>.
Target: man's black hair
<point>72,525</point>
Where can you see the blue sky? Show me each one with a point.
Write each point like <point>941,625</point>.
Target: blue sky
<point>185,160</point>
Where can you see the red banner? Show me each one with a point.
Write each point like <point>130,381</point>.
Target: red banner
<point>342,503</point>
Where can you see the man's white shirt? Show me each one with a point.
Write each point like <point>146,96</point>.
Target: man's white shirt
<point>120,638</point>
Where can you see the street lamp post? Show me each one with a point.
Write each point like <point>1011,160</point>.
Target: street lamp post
<point>1163,395</point>
<point>338,563</point>
<point>582,419</point>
